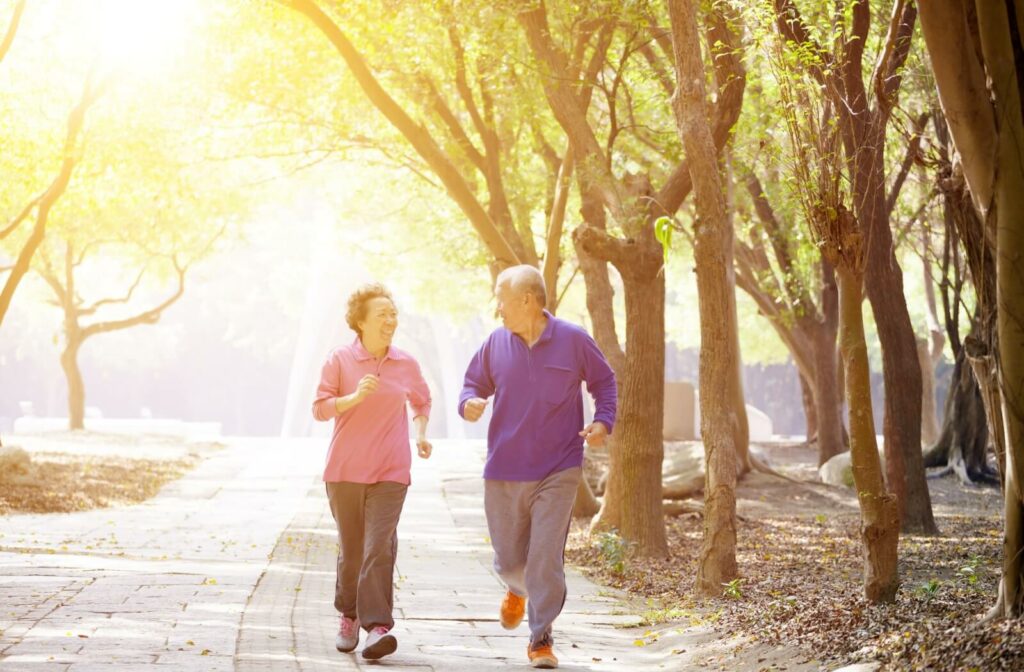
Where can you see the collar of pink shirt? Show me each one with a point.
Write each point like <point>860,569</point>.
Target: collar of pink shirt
<point>361,354</point>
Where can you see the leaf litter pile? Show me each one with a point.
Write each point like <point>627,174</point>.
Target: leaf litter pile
<point>61,482</point>
<point>800,583</point>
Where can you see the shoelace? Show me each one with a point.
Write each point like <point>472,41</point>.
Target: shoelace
<point>543,641</point>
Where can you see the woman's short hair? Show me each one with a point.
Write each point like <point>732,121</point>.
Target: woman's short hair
<point>358,301</point>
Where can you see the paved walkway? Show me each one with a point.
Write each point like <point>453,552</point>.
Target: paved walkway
<point>231,568</point>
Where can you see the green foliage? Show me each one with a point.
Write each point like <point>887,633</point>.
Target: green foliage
<point>969,572</point>
<point>613,550</point>
<point>732,589</point>
<point>663,233</point>
<point>928,589</point>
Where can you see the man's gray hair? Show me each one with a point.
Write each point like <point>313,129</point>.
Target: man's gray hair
<point>526,279</point>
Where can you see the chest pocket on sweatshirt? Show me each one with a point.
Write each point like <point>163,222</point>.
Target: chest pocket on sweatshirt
<point>558,383</point>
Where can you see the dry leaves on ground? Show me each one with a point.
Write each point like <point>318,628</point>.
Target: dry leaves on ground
<point>58,483</point>
<point>801,585</point>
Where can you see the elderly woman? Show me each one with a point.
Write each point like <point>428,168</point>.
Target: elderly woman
<point>364,387</point>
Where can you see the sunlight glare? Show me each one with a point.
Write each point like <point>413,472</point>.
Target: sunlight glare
<point>143,36</point>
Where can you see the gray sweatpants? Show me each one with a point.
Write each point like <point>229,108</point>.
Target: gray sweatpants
<point>367,518</point>
<point>528,522</point>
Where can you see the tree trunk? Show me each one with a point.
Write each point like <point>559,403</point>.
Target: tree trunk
<point>716,295</point>
<point>962,445</point>
<point>981,354</point>
<point>929,351</point>
<point>600,295</point>
<point>76,386</point>
<point>810,404</point>
<point>929,421</point>
<point>878,509</point>
<point>741,423</point>
<point>1001,46</point>
<point>586,504</point>
<point>831,431</point>
<point>632,497</point>
<point>638,449</point>
<point>900,370</point>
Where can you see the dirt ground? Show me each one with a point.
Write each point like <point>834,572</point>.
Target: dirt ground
<point>79,471</point>
<point>800,575</point>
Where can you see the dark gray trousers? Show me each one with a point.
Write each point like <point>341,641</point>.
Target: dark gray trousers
<point>367,517</point>
<point>528,522</point>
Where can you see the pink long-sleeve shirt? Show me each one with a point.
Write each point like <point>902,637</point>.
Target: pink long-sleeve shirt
<point>370,443</point>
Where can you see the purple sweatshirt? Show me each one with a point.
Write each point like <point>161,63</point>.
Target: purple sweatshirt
<point>538,405</point>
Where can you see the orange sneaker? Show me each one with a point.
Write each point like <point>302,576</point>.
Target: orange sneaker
<point>541,655</point>
<point>512,609</point>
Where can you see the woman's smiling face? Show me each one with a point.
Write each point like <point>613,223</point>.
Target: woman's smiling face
<point>381,321</point>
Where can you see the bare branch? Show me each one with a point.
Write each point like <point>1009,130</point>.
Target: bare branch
<point>912,155</point>
<point>89,310</point>
<point>150,316</point>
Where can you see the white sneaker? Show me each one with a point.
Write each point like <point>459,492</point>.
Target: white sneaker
<point>379,643</point>
<point>348,635</point>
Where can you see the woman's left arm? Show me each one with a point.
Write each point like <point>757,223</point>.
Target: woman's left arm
<point>419,399</point>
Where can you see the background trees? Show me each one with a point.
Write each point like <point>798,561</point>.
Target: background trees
<point>561,134</point>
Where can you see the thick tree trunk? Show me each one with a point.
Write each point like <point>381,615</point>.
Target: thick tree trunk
<point>1001,46</point>
<point>879,514</point>
<point>900,370</point>
<point>962,445</point>
<point>76,386</point>
<point>832,438</point>
<point>632,499</point>
<point>719,356</point>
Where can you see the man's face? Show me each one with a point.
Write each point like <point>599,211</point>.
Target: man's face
<point>512,307</point>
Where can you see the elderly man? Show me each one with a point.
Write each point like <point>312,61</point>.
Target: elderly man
<point>534,366</point>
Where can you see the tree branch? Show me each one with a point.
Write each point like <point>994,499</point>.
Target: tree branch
<point>658,67</point>
<point>553,255</point>
<point>455,128</point>
<point>150,316</point>
<point>416,135</point>
<point>9,229</point>
<point>89,310</point>
<point>793,29</point>
<point>567,106</point>
<point>730,75</point>
<point>894,54</point>
<point>12,29</point>
<point>912,154</point>
<point>76,120</point>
